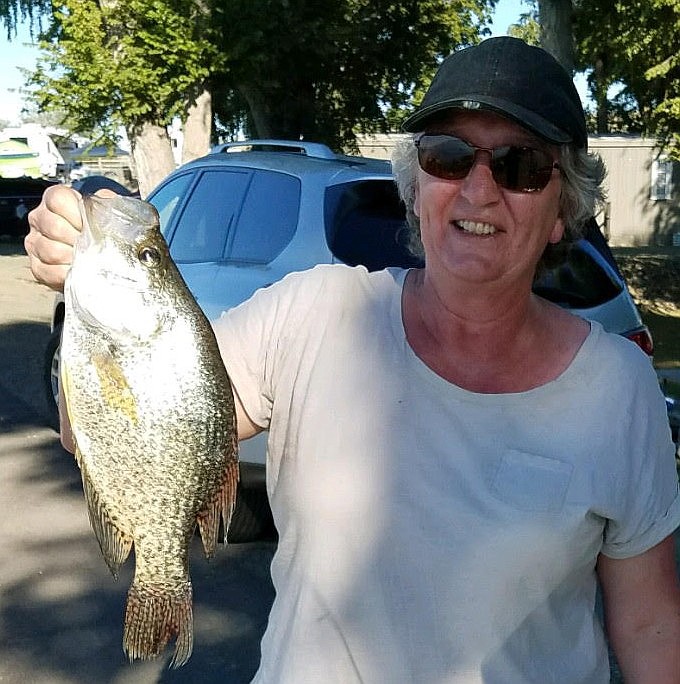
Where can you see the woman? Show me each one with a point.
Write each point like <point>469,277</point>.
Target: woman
<point>446,469</point>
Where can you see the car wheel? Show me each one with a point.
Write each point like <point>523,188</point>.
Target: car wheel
<point>252,518</point>
<point>51,377</point>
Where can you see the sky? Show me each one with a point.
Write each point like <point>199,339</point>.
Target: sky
<point>18,53</point>
<point>14,54</point>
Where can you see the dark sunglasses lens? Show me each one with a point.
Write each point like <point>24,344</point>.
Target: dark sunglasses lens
<point>522,169</point>
<point>445,157</point>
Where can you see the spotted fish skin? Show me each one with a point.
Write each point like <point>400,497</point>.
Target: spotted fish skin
<point>152,414</point>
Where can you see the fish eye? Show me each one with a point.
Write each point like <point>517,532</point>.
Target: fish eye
<point>149,256</point>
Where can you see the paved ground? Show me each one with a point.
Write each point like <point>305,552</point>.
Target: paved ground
<point>60,609</point>
<point>25,309</point>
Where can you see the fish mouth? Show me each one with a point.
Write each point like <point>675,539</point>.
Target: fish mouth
<point>480,228</point>
<point>125,217</point>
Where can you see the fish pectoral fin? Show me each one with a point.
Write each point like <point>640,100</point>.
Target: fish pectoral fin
<point>113,542</point>
<point>220,506</point>
<point>115,389</point>
<point>153,616</point>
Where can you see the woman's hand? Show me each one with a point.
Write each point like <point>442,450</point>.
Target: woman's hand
<point>54,226</point>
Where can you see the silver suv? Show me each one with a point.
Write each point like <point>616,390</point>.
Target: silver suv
<point>248,213</point>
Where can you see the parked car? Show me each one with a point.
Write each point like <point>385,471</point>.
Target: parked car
<point>17,197</point>
<point>89,184</point>
<point>248,213</point>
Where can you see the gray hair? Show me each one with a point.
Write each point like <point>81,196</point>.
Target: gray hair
<point>582,193</point>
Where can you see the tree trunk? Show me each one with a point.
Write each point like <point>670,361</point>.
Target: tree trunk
<point>198,128</point>
<point>600,91</point>
<point>152,154</point>
<point>554,17</point>
<point>259,111</point>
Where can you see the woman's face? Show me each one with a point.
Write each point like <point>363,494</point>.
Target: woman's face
<point>473,230</point>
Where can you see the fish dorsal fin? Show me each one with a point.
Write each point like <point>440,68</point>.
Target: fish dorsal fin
<point>220,505</point>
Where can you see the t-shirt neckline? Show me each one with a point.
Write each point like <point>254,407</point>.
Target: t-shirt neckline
<point>419,366</point>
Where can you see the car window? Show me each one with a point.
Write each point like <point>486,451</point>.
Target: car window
<point>203,228</point>
<point>167,197</point>
<point>366,224</point>
<point>584,280</point>
<point>268,219</point>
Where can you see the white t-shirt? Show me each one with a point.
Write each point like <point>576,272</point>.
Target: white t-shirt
<point>429,534</point>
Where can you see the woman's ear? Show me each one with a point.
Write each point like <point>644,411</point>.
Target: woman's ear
<point>557,233</point>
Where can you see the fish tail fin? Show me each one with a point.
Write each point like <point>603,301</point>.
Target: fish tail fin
<point>113,542</point>
<point>153,617</point>
<point>220,506</point>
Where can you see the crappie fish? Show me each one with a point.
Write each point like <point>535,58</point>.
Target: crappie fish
<point>152,414</point>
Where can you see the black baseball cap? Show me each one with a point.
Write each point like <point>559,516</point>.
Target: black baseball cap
<point>507,76</point>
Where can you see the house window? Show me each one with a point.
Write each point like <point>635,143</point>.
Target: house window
<point>662,172</point>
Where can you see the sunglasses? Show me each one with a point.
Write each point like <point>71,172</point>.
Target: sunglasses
<point>520,169</point>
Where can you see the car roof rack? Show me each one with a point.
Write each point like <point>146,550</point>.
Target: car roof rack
<point>310,149</point>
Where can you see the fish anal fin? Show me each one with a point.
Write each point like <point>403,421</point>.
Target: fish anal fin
<point>153,616</point>
<point>221,505</point>
<point>113,542</point>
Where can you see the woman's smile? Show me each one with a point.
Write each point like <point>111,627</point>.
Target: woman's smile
<point>475,227</point>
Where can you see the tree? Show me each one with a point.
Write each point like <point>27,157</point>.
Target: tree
<point>274,68</point>
<point>13,10</point>
<point>127,63</point>
<point>325,71</point>
<point>634,43</point>
<point>548,23</point>
<point>554,18</point>
<point>527,28</point>
<point>629,43</point>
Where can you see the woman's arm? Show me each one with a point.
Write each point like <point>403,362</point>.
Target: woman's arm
<point>642,613</point>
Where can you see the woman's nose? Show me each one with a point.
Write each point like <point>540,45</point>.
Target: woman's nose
<point>479,186</point>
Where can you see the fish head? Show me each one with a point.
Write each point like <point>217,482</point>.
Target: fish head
<point>122,273</point>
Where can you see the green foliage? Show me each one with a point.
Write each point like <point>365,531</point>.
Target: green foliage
<point>527,28</point>
<point>121,63</point>
<point>634,42</point>
<point>327,70</point>
<point>284,68</point>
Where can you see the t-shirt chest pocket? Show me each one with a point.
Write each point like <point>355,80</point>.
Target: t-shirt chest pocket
<point>530,482</point>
